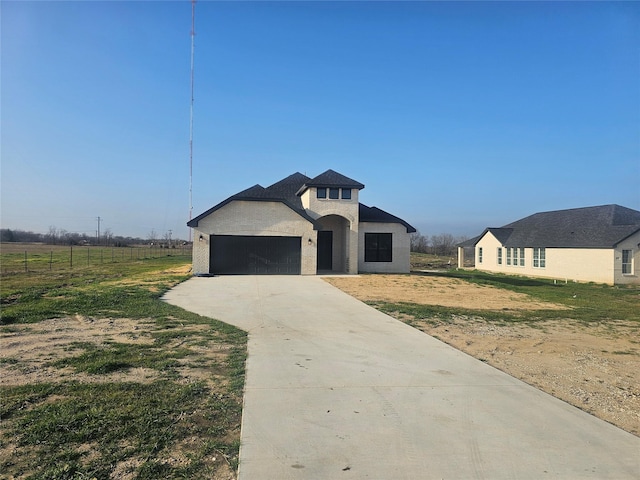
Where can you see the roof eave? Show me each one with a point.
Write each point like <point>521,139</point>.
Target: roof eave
<point>194,222</point>
<point>307,186</point>
<point>627,236</point>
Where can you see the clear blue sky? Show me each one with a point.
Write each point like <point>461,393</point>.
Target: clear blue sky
<point>455,115</point>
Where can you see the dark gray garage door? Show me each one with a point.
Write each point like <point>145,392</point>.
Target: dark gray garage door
<point>244,255</point>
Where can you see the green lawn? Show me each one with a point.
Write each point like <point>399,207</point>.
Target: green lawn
<point>67,428</point>
<point>39,257</point>
<point>585,302</point>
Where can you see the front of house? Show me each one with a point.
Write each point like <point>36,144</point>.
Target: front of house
<point>592,244</point>
<point>300,225</point>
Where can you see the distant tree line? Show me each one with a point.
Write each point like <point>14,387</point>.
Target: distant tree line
<point>443,244</point>
<point>57,236</point>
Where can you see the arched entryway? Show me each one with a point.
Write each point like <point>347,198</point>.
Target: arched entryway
<point>333,244</point>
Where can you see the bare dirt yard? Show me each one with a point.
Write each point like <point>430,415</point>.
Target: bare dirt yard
<point>39,345</point>
<point>593,367</point>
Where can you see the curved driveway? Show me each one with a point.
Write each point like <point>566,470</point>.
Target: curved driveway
<point>335,389</point>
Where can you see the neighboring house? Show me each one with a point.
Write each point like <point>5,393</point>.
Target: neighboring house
<point>592,244</point>
<point>300,225</point>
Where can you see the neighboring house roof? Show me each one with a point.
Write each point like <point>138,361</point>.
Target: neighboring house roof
<point>501,234</point>
<point>376,215</point>
<point>289,189</point>
<point>591,227</point>
<point>330,179</point>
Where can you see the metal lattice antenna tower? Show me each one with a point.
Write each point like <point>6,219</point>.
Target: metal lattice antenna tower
<point>193,33</point>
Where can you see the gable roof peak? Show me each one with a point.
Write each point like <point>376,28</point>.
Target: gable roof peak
<point>329,179</point>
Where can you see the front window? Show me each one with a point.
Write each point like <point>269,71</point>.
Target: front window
<point>378,247</point>
<point>346,194</point>
<point>479,254</point>
<point>627,262</point>
<point>539,258</point>
<point>499,256</point>
<point>322,192</point>
<point>333,193</point>
<point>508,256</point>
<point>521,257</point>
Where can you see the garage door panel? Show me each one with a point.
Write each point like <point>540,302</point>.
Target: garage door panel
<point>238,255</point>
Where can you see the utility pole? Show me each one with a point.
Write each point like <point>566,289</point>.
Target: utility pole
<point>193,33</point>
<point>98,236</point>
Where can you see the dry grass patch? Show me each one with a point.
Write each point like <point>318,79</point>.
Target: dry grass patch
<point>431,290</point>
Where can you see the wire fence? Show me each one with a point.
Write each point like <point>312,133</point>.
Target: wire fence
<point>25,258</point>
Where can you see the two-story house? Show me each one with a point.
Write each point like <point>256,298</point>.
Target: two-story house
<point>300,225</point>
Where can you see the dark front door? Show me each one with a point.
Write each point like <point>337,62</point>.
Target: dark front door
<point>325,250</point>
<point>237,254</point>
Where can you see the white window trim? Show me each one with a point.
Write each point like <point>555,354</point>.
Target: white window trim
<point>516,255</point>
<point>541,258</point>
<point>630,263</point>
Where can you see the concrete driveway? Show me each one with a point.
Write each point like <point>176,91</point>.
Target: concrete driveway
<point>336,389</point>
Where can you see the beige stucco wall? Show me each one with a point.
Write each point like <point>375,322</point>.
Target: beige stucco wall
<point>401,248</point>
<point>575,264</point>
<point>317,208</point>
<point>254,218</point>
<point>631,243</point>
<point>489,245</point>
<point>571,264</point>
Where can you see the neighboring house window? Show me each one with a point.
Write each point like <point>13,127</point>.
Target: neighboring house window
<point>499,256</point>
<point>322,192</point>
<point>333,193</point>
<point>627,262</point>
<point>378,247</point>
<point>479,254</point>
<point>346,194</point>
<point>515,256</point>
<point>539,258</point>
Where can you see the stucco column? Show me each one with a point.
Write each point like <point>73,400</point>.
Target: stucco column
<point>460,257</point>
<point>352,246</point>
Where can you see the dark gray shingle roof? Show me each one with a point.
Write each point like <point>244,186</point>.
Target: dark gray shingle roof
<point>330,178</point>
<point>376,215</point>
<point>590,227</point>
<point>288,191</point>
<point>283,191</point>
